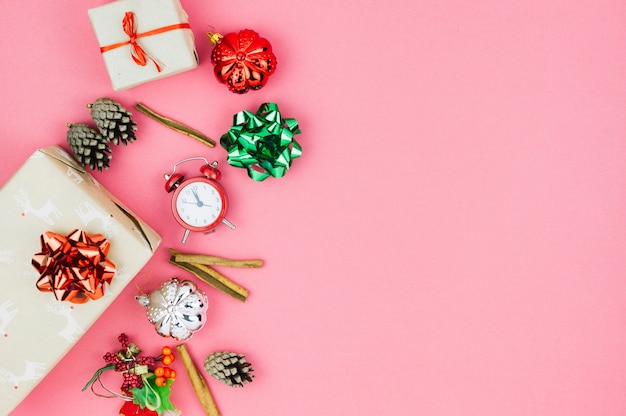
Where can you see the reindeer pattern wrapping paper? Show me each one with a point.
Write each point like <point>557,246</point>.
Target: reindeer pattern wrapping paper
<point>51,192</point>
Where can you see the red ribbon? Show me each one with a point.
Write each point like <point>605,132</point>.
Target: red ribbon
<point>73,267</point>
<point>139,55</point>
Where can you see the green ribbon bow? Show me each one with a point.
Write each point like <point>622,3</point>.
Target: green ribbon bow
<point>262,143</point>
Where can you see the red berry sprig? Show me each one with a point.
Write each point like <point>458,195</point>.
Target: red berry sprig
<point>140,377</point>
<point>130,363</point>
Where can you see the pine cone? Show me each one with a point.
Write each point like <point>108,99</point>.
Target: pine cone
<point>89,147</point>
<point>113,121</point>
<point>229,368</point>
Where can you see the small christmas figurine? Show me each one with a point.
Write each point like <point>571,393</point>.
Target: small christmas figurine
<point>242,60</point>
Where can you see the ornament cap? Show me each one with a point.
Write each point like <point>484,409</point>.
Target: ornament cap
<point>144,300</point>
<point>214,38</point>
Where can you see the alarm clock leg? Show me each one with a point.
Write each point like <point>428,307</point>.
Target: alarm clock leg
<point>185,236</point>
<point>228,223</point>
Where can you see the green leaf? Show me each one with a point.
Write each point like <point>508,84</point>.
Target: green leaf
<point>152,396</point>
<point>97,374</point>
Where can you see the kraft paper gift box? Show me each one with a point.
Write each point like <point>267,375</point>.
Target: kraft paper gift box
<point>143,40</point>
<point>52,192</point>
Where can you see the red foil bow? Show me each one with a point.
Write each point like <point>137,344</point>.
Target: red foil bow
<point>73,267</point>
<point>139,55</point>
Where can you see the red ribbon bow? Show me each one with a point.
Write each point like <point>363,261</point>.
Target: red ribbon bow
<point>139,55</point>
<point>73,267</point>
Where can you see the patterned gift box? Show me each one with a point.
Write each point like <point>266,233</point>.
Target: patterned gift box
<point>143,40</point>
<point>52,192</point>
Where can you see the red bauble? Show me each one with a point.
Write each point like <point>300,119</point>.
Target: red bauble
<point>242,60</point>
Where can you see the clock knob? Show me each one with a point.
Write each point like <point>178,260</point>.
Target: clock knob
<point>211,171</point>
<point>172,181</point>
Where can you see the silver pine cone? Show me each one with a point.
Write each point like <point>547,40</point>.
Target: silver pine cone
<point>89,147</point>
<point>229,368</point>
<point>113,121</point>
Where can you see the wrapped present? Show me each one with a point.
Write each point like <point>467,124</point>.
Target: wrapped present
<point>68,248</point>
<point>143,40</point>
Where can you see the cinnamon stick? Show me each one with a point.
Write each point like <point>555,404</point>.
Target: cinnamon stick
<point>198,382</point>
<point>215,260</point>
<point>214,278</point>
<point>175,125</point>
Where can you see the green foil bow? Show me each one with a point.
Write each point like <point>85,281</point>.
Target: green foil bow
<point>262,143</point>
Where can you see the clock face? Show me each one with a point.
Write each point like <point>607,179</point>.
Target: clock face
<point>200,204</point>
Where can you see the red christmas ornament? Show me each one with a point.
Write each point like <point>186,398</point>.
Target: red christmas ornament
<point>242,60</point>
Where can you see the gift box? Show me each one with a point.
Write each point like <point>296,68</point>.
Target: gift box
<point>51,192</point>
<point>143,40</point>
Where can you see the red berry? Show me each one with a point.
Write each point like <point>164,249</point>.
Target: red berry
<point>123,339</point>
<point>109,358</point>
<point>149,361</point>
<point>119,367</point>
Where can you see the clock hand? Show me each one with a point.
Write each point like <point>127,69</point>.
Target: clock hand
<point>199,201</point>
<point>195,195</point>
<point>198,204</point>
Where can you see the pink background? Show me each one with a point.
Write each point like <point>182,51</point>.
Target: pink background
<point>451,241</point>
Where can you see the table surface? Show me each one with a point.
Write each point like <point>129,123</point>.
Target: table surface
<point>451,241</point>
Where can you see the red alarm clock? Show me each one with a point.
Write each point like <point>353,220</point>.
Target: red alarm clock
<point>199,203</point>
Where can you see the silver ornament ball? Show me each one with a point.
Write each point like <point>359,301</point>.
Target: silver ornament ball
<point>177,309</point>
